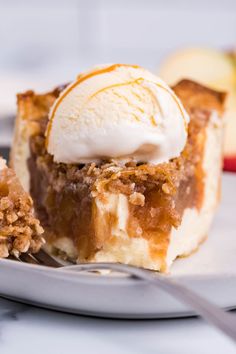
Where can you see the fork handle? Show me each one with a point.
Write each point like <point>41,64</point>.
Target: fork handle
<point>211,313</point>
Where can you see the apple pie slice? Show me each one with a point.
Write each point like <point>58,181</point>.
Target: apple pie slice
<point>20,231</point>
<point>120,167</point>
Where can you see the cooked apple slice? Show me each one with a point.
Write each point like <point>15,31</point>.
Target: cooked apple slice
<point>215,69</point>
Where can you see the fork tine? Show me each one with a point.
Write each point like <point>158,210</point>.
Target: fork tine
<point>44,258</point>
<point>28,258</point>
<point>40,258</point>
<point>15,258</point>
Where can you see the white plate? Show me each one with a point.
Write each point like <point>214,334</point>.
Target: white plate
<point>211,272</point>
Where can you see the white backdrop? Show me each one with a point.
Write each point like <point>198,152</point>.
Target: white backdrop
<point>46,42</point>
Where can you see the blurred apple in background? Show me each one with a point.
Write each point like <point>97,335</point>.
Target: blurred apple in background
<point>215,69</point>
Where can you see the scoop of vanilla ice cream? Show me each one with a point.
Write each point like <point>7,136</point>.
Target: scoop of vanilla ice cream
<point>117,111</point>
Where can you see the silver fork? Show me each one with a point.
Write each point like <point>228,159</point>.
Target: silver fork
<point>211,313</point>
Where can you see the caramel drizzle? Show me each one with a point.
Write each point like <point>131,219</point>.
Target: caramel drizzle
<point>77,82</point>
<point>82,78</point>
<point>137,81</point>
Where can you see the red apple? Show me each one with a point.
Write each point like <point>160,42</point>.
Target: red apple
<point>217,70</point>
<point>230,134</point>
<point>230,163</point>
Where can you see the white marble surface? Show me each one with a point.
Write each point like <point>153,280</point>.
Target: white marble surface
<point>26,329</point>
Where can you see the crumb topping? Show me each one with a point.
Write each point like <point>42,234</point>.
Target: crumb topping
<point>20,231</point>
